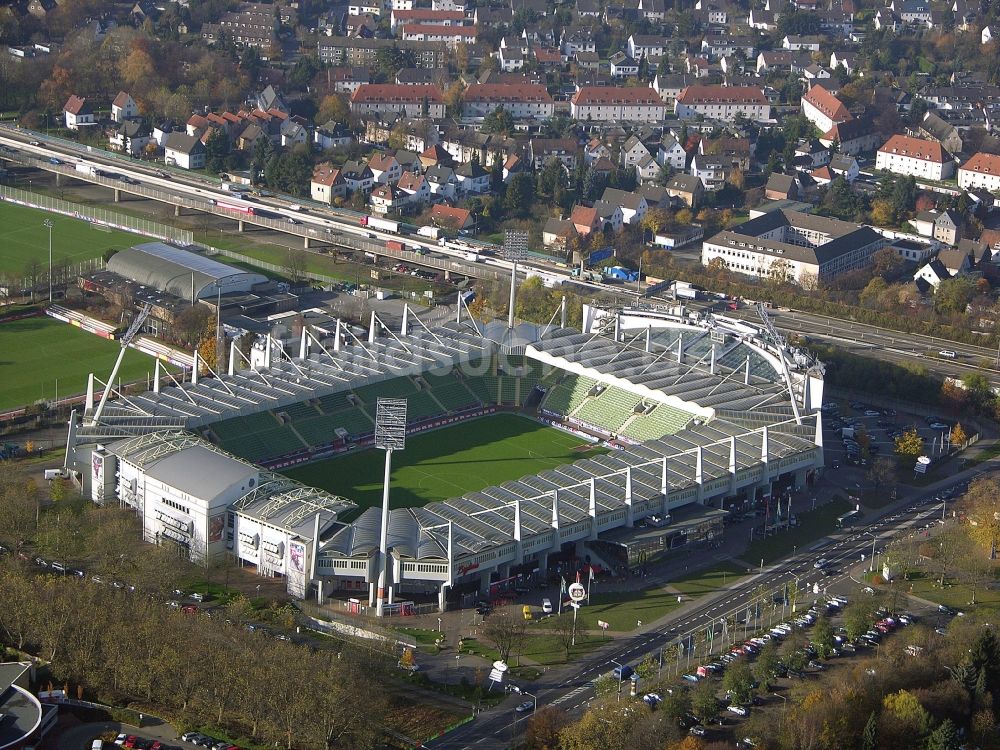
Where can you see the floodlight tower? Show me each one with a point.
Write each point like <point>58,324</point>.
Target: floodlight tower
<point>515,248</point>
<point>390,435</point>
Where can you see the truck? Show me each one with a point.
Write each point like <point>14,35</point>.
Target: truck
<point>383,225</point>
<point>432,232</point>
<point>474,257</point>
<point>620,273</point>
<point>87,169</point>
<point>686,292</point>
<point>592,276</point>
<point>395,245</point>
<point>549,280</point>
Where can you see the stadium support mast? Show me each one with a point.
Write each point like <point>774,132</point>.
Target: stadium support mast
<point>778,342</point>
<point>390,435</point>
<point>515,248</point>
<point>130,334</point>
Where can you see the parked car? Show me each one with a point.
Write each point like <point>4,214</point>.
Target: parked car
<point>697,730</point>
<point>526,707</point>
<point>738,710</point>
<point>622,672</point>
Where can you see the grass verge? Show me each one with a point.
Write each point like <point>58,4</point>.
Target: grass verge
<point>812,526</point>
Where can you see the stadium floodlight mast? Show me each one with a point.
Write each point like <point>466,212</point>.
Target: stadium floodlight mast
<point>48,225</point>
<point>390,435</point>
<point>515,248</point>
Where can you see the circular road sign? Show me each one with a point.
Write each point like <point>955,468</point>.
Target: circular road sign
<point>577,592</point>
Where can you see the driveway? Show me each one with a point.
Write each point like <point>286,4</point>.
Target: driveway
<point>79,737</point>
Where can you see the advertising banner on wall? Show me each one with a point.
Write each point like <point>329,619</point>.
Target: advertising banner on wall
<point>216,527</point>
<point>297,566</point>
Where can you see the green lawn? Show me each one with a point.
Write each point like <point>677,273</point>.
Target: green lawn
<point>448,462</point>
<point>23,238</point>
<point>35,353</point>
<point>812,526</point>
<point>954,594</point>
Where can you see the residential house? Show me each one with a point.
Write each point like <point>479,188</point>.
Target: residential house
<point>686,188</point>
<point>923,222</point>
<point>332,135</point>
<point>452,218</point>
<point>942,131</point>
<point>543,150</point>
<point>594,150</point>
<point>846,60</point>
<point>623,66</point>
<point>184,151</point>
<point>795,43</point>
<point>711,170</point>
<point>434,155</point>
<point>885,18</point>
<point>987,35</point>
<point>616,104</point>
<point>856,136</point>
<point>811,154</point>
<point>293,133</point>
<point>846,166</point>
<point>981,172</point>
<point>956,260</point>
<point>670,86</point>
<point>948,227</point>
<point>414,187</point>
<point>472,178</point>
<point>762,20</point>
<point>385,169</point>
<point>123,107</point>
<point>656,195</point>
<point>725,103</point>
<point>718,45</point>
<point>781,187</point>
<point>823,109</point>
<point>648,46</point>
<point>557,232</point>
<point>671,154</point>
<point>930,275</point>
<point>327,184</point>
<point>904,155</point>
<point>577,39</point>
<point>451,36</point>
<point>442,182</point>
<point>522,101</point>
<point>252,25</point>
<point>913,12</point>
<point>633,150</point>
<point>131,137</point>
<point>632,205</point>
<point>161,131</point>
<point>78,113</point>
<point>815,72</point>
<point>425,17</point>
<point>357,176</point>
<point>385,199</point>
<point>411,101</point>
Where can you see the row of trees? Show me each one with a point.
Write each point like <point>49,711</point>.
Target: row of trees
<point>114,647</point>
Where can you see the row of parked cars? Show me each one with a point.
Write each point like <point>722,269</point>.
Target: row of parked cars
<point>134,742</point>
<point>211,743</point>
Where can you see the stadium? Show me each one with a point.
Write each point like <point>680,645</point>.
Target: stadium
<point>614,444</point>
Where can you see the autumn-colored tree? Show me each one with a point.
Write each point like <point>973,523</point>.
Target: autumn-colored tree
<point>953,397</point>
<point>543,728</point>
<point>958,435</point>
<point>688,743</point>
<point>909,445</point>
<point>333,107</point>
<point>981,505</point>
<point>883,214</point>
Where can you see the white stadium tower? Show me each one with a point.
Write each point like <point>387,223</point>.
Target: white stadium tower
<point>705,414</point>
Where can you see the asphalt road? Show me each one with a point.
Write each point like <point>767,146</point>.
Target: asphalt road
<point>572,688</point>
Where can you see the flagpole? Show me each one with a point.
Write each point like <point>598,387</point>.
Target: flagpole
<point>562,590</point>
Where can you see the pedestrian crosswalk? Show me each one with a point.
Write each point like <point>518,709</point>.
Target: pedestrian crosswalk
<point>574,692</point>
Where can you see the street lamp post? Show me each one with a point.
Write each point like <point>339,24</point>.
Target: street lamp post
<point>621,671</point>
<point>48,225</point>
<point>874,542</point>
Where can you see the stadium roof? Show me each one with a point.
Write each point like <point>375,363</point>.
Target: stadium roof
<point>485,519</point>
<point>185,461</point>
<point>288,381</point>
<point>289,505</point>
<point>180,272</point>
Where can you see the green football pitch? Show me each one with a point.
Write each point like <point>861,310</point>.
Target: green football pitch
<point>24,238</point>
<point>39,355</point>
<point>448,462</point>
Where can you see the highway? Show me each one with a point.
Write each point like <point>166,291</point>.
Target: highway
<point>572,688</point>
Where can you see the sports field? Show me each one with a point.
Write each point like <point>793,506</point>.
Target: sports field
<point>37,352</point>
<point>23,238</point>
<point>448,462</point>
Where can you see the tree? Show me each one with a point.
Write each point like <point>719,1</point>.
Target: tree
<point>882,213</point>
<point>880,471</point>
<point>216,149</point>
<point>765,668</point>
<point>909,445</point>
<point>903,722</point>
<point>505,631</point>
<point>822,637</point>
<point>544,727</point>
<point>945,737</point>
<point>953,295</point>
<point>869,739</point>
<point>958,436</point>
<point>704,704</point>
<point>519,194</point>
<point>295,264</point>
<point>981,506</point>
<point>498,121</point>
<point>738,681</point>
<point>333,107</point>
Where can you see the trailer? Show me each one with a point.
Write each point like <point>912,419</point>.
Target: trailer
<point>549,280</point>
<point>592,276</point>
<point>686,292</point>
<point>383,225</point>
<point>239,208</point>
<point>620,273</point>
<point>87,169</point>
<point>432,232</point>
<point>395,245</point>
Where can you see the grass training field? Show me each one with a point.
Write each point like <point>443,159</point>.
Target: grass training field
<point>449,462</point>
<point>23,237</point>
<point>36,352</point>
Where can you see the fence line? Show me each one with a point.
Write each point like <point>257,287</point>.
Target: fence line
<point>100,216</point>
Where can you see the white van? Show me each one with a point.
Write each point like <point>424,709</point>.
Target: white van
<point>948,354</point>
<point>547,606</point>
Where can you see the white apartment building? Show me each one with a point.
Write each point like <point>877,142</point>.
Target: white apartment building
<point>981,172</point>
<point>521,100</point>
<point>608,103</point>
<point>823,109</point>
<point>904,155</point>
<point>722,103</point>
